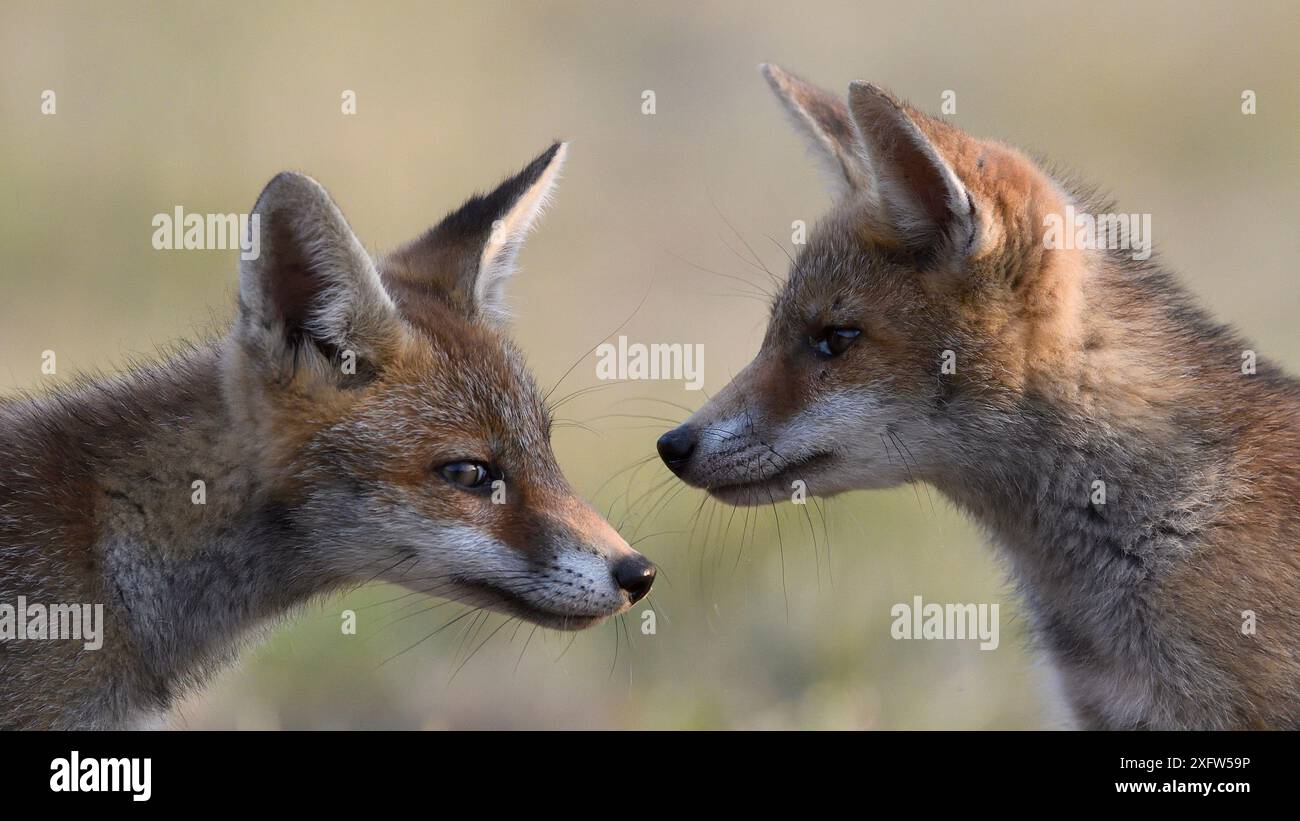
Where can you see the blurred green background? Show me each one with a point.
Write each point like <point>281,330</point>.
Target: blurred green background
<point>198,105</point>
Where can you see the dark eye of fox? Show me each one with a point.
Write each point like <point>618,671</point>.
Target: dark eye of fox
<point>471,475</point>
<point>833,341</point>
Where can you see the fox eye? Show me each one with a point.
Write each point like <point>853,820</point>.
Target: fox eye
<point>469,475</point>
<point>833,340</point>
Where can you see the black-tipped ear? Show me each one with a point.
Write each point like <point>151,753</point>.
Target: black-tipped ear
<point>471,253</point>
<point>915,192</point>
<point>310,279</point>
<point>824,119</point>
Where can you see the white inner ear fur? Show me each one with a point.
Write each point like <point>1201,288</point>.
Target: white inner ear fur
<point>841,165</point>
<point>882,129</point>
<point>497,262</point>
<point>909,218</point>
<point>351,307</point>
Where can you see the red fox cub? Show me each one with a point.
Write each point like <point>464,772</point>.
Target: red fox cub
<point>1137,466</point>
<point>364,419</point>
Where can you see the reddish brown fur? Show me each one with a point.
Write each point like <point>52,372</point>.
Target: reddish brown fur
<point>317,475</point>
<point>1072,366</point>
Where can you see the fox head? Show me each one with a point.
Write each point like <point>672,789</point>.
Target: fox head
<point>918,315</point>
<point>400,435</point>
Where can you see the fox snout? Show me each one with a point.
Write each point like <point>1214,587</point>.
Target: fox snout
<point>676,446</point>
<point>635,575</point>
<point>739,462</point>
<point>632,573</point>
<point>567,569</point>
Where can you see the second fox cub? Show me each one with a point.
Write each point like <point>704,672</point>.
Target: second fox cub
<point>1101,427</point>
<point>364,419</point>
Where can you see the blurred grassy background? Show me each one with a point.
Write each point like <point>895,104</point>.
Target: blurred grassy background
<point>198,105</point>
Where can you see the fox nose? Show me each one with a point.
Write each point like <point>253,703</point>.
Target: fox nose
<point>634,575</point>
<point>675,447</point>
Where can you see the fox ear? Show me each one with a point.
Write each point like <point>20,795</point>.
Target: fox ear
<point>310,280</point>
<point>471,253</point>
<point>915,193</point>
<point>825,121</point>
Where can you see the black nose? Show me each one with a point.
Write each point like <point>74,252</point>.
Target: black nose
<point>675,447</point>
<point>635,574</point>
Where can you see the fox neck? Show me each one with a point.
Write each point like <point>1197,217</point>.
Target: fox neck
<point>1109,464</point>
<point>1073,508</point>
<point>195,549</point>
